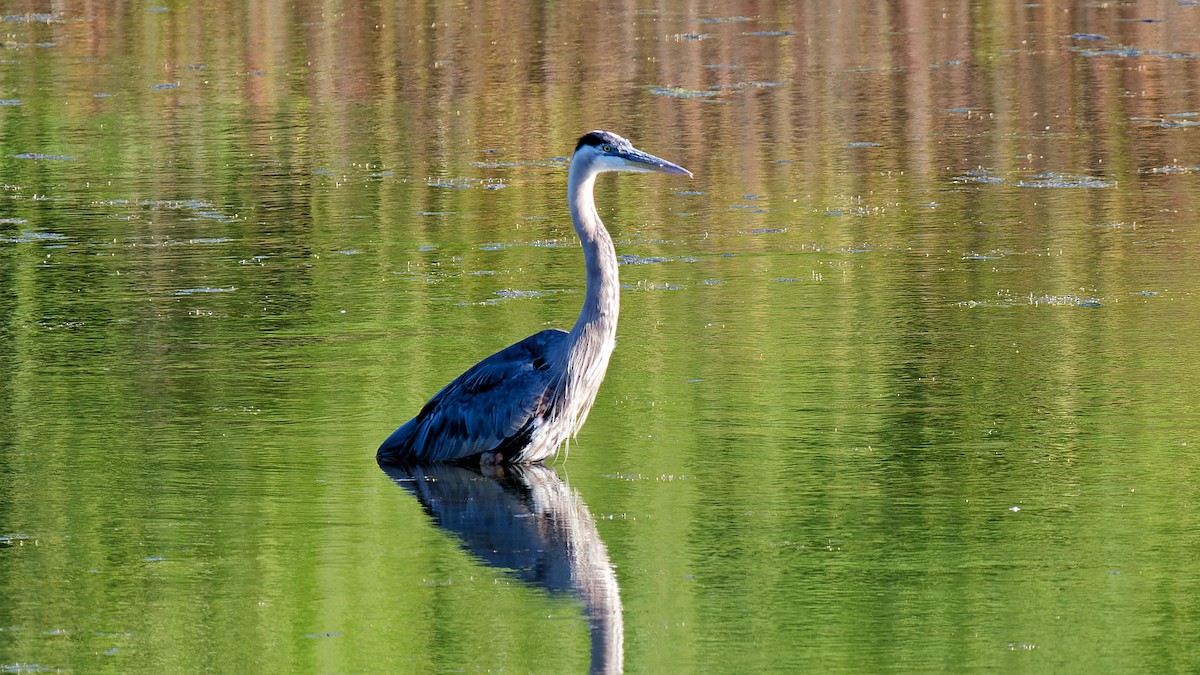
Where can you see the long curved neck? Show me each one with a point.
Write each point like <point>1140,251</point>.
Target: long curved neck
<point>601,303</point>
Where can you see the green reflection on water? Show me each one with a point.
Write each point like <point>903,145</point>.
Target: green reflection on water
<point>904,378</point>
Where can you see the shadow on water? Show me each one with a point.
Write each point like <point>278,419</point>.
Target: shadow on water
<point>528,520</point>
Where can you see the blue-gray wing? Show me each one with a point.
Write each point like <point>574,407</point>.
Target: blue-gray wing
<point>495,404</point>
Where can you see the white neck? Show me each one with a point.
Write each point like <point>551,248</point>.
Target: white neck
<point>591,340</point>
<point>601,302</point>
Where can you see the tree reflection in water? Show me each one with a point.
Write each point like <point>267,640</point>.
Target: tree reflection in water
<point>528,520</point>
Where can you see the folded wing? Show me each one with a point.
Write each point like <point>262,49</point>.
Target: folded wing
<point>496,404</point>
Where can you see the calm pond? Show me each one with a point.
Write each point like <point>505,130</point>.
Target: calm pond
<point>905,379</point>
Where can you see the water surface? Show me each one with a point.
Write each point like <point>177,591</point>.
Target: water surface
<point>904,377</point>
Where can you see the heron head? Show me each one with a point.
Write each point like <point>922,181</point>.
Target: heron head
<point>606,151</point>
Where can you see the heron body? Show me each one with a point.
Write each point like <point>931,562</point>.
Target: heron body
<point>520,404</point>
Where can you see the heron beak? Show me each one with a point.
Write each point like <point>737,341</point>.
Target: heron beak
<point>636,160</point>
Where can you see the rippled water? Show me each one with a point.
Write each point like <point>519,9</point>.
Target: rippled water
<point>904,378</point>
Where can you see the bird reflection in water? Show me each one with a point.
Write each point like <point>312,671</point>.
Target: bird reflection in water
<point>526,519</point>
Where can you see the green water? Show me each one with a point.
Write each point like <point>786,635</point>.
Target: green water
<point>905,376</point>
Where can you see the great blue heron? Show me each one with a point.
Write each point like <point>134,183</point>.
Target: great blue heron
<point>519,404</point>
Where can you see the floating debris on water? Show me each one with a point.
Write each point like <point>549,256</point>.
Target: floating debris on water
<point>10,101</point>
<point>205,289</point>
<point>1125,52</point>
<point>680,92</point>
<point>28,17</point>
<point>630,259</point>
<point>1131,52</point>
<point>1065,180</point>
<point>498,165</point>
<point>38,156</point>
<point>539,243</point>
<point>692,36</point>
<point>1173,169</point>
<point>652,286</point>
<point>1087,36</point>
<point>516,164</point>
<point>714,91</point>
<point>199,210</point>
<point>25,668</point>
<point>1007,299</point>
<point>770,33</point>
<point>754,84</point>
<point>863,144</point>
<point>513,293</point>
<point>452,184</point>
<point>729,19</point>
<point>1179,124</point>
<point>29,237</point>
<point>639,477</point>
<point>977,176</point>
<point>165,85</point>
<point>1179,120</point>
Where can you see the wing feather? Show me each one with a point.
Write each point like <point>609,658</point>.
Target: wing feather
<point>492,405</point>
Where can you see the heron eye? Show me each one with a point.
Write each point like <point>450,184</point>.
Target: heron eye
<point>606,148</point>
